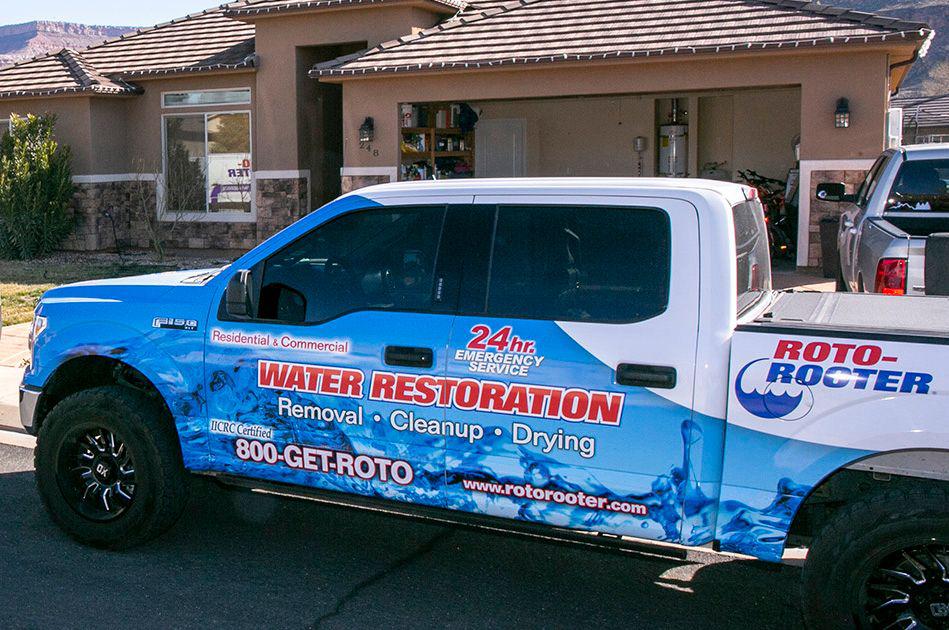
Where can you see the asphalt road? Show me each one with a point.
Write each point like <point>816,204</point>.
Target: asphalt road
<point>244,560</point>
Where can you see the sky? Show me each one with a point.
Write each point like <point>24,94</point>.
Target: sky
<point>101,12</point>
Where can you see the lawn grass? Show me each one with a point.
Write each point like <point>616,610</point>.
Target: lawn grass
<point>22,283</point>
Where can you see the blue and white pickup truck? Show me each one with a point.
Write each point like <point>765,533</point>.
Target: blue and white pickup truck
<point>590,360</point>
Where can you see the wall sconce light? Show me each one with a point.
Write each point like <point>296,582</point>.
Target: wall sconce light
<point>367,132</point>
<point>842,114</point>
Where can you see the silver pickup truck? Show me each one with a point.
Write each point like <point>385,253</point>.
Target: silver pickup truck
<point>894,232</point>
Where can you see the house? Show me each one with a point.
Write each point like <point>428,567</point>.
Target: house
<point>246,116</point>
<point>925,118</point>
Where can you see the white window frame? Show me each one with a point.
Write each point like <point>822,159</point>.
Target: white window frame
<point>207,216</point>
<point>250,97</point>
<point>6,125</point>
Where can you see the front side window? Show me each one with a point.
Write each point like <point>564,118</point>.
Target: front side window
<point>752,254</point>
<point>369,260</point>
<point>868,187</point>
<point>567,263</point>
<point>208,163</point>
<point>920,186</point>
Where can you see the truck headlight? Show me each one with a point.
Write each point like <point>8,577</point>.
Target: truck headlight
<point>39,325</point>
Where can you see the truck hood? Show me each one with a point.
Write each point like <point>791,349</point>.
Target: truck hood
<point>119,288</point>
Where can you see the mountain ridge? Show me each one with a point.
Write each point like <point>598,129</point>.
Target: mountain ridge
<point>19,42</point>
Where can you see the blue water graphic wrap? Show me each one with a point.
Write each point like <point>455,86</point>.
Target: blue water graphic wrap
<point>621,460</point>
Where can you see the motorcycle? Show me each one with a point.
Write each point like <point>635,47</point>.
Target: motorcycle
<point>780,226</point>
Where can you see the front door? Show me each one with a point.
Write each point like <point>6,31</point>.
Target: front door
<point>576,364</point>
<point>297,393</point>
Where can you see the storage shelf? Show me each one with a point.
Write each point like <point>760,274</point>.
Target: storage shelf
<point>432,134</point>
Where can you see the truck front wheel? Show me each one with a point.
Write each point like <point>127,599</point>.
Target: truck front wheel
<point>109,469</point>
<point>882,562</point>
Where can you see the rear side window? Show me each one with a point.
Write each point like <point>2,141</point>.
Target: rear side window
<point>921,186</point>
<point>753,255</point>
<point>566,263</point>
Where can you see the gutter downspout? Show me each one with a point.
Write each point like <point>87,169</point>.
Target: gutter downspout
<point>900,64</point>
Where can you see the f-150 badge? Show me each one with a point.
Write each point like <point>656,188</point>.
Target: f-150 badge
<point>170,323</point>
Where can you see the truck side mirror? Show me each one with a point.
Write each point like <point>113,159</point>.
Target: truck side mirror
<point>238,298</point>
<point>833,192</point>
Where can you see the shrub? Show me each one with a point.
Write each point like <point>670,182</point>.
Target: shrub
<point>35,189</point>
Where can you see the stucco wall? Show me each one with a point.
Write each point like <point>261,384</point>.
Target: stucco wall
<point>823,77</point>
<point>73,126</point>
<point>277,41</point>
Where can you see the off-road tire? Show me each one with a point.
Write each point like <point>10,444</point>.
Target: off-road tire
<point>161,481</point>
<point>852,545</point>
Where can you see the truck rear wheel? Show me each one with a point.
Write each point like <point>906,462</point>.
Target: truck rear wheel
<point>882,562</point>
<point>109,469</point>
<point>841,283</point>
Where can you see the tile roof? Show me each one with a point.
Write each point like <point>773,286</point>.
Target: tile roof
<point>495,33</point>
<point>926,111</point>
<point>201,42</point>
<point>66,72</point>
<point>251,8</point>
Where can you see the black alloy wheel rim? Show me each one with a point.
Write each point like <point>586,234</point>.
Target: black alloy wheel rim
<point>909,589</point>
<point>96,474</point>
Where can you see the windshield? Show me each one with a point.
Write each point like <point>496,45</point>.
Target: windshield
<point>921,186</point>
<point>753,255</point>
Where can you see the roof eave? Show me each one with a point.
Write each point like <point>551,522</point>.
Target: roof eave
<point>187,70</point>
<point>72,91</point>
<point>336,70</point>
<point>446,7</point>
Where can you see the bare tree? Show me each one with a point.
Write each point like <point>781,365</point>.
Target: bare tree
<point>159,202</point>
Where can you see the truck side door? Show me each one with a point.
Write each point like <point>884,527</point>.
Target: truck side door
<point>292,391</point>
<point>573,355</point>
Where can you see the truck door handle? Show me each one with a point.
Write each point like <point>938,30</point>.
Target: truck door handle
<point>653,376</point>
<point>410,357</point>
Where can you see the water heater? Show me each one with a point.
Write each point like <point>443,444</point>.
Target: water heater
<point>674,150</point>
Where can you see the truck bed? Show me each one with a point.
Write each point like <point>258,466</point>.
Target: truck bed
<point>924,319</point>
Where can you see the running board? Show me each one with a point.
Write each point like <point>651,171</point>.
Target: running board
<point>546,533</point>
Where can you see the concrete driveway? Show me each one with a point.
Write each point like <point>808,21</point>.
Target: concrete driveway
<point>13,354</point>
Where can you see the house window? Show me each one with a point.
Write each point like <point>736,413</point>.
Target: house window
<point>6,125</point>
<point>205,98</point>
<point>208,164</point>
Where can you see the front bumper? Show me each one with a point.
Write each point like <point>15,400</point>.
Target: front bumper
<point>29,402</point>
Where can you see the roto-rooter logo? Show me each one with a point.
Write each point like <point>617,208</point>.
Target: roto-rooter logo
<point>783,386</point>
